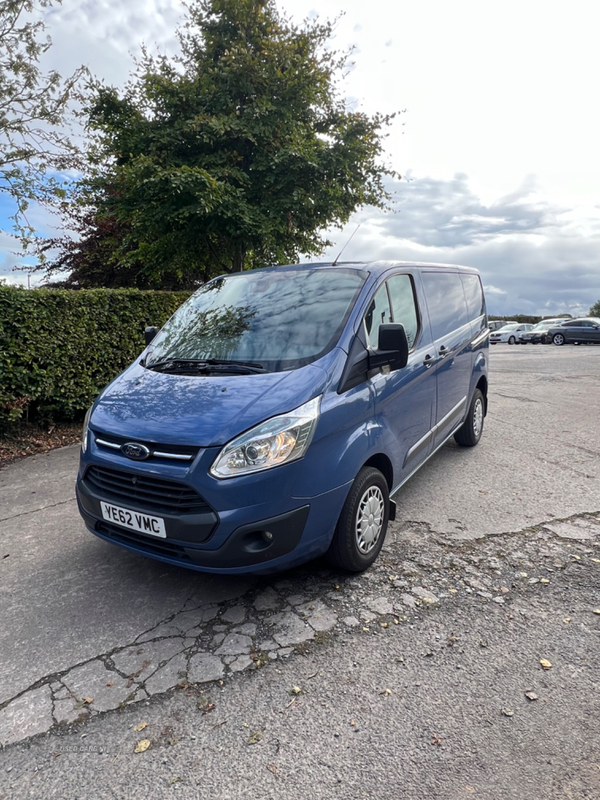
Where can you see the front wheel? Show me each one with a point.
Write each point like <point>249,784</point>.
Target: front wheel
<point>361,528</point>
<point>558,339</point>
<point>469,434</point>
<point>512,340</point>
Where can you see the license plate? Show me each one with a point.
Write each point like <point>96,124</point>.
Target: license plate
<point>142,523</point>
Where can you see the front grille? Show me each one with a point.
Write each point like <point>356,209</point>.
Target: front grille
<point>146,490</point>
<point>169,452</point>
<point>158,547</point>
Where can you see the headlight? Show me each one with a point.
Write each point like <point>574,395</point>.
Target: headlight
<point>277,441</point>
<point>84,433</point>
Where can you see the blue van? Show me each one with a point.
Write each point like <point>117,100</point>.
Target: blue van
<point>273,416</point>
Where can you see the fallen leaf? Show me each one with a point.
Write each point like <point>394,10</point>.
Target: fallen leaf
<point>597,611</point>
<point>175,779</point>
<point>205,705</point>
<point>436,739</point>
<point>296,690</point>
<point>88,700</point>
<point>566,620</point>
<point>273,768</point>
<point>255,737</point>
<point>595,560</point>
<point>508,712</point>
<point>314,675</point>
<point>531,695</point>
<point>386,692</point>
<point>352,723</point>
<point>545,664</point>
<point>142,746</point>
<point>141,726</point>
<point>545,581</point>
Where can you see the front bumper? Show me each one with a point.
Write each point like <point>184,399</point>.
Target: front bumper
<point>230,542</point>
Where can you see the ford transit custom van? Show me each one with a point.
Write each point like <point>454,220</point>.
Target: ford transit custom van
<point>277,412</point>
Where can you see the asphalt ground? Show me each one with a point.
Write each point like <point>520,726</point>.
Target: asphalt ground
<point>408,681</point>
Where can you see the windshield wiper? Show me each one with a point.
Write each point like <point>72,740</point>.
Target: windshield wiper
<point>206,366</point>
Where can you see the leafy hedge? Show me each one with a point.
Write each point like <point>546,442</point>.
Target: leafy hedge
<point>59,347</point>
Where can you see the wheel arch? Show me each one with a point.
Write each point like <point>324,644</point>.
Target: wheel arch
<point>381,462</point>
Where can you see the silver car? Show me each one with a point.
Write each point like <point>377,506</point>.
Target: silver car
<point>510,333</point>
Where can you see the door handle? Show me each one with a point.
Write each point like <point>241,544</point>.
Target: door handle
<point>428,361</point>
<point>443,351</point>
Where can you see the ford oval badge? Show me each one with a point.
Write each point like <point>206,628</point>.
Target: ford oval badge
<point>139,452</point>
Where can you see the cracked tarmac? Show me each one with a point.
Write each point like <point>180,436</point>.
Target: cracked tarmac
<point>91,629</point>
<point>209,642</point>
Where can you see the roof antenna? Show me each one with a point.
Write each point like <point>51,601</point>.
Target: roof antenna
<point>345,246</point>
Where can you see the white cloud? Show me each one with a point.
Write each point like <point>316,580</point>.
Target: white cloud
<point>531,254</point>
<point>493,290</point>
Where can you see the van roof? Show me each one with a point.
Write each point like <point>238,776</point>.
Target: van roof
<point>378,266</point>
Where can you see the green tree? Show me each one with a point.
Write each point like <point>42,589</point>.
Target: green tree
<point>235,154</point>
<point>32,111</point>
<point>595,310</point>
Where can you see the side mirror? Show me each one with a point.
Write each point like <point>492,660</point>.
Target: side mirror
<point>150,332</point>
<point>392,348</point>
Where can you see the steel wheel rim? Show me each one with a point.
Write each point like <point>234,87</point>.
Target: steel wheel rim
<point>369,519</point>
<point>478,417</point>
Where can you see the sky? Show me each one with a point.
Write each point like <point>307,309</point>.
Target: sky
<point>496,140</point>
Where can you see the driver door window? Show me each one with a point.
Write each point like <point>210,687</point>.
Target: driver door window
<point>377,314</point>
<point>403,306</point>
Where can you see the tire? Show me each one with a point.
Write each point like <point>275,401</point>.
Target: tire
<point>512,340</point>
<point>558,339</point>
<point>469,434</point>
<point>355,546</point>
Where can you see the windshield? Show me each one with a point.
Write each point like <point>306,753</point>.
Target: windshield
<point>510,327</point>
<point>271,319</point>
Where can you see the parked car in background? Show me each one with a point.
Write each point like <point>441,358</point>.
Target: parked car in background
<point>585,330</point>
<point>510,333</point>
<point>538,333</point>
<point>496,324</point>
